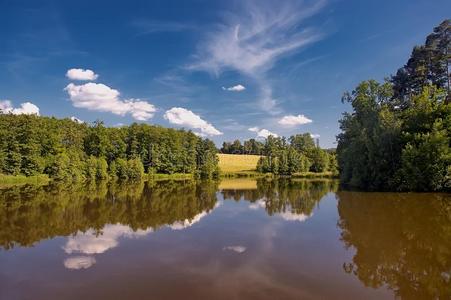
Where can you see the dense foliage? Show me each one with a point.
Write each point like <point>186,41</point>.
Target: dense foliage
<point>398,134</point>
<point>297,155</point>
<point>286,157</point>
<point>67,150</point>
<point>251,146</point>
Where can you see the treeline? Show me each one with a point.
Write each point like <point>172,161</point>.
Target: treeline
<point>67,150</point>
<point>298,154</point>
<point>251,146</point>
<point>398,135</point>
<point>60,209</point>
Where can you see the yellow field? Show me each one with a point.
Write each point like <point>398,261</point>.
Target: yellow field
<point>238,184</point>
<point>235,163</point>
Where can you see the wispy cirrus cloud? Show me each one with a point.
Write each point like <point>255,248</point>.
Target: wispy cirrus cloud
<point>253,41</point>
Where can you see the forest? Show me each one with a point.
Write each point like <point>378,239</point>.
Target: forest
<point>282,156</point>
<point>67,150</point>
<point>397,136</point>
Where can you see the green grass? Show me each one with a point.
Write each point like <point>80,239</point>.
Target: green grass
<point>309,175</point>
<point>175,176</point>
<point>9,180</point>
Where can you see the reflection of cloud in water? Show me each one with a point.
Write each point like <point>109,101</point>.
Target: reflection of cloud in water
<point>179,225</point>
<point>237,249</point>
<point>287,215</point>
<point>90,243</point>
<point>79,262</point>
<point>257,204</point>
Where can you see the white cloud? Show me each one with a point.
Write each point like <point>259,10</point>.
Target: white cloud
<point>314,135</point>
<point>76,120</point>
<point>184,117</point>
<point>262,133</point>
<point>79,262</point>
<point>237,249</point>
<point>252,40</point>
<point>81,74</point>
<point>235,88</point>
<point>26,108</point>
<point>100,97</point>
<point>292,120</point>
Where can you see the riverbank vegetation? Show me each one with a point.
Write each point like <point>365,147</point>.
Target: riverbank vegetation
<point>295,156</point>
<point>65,150</point>
<point>397,136</point>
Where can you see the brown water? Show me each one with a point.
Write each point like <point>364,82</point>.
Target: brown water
<point>238,239</point>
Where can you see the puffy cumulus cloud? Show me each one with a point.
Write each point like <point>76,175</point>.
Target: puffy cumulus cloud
<point>90,242</point>
<point>262,133</point>
<point>76,120</point>
<point>235,88</point>
<point>26,108</point>
<point>100,97</point>
<point>315,135</point>
<point>237,249</point>
<point>292,120</point>
<point>79,262</point>
<point>81,74</point>
<point>184,117</point>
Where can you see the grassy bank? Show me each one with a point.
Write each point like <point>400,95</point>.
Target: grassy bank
<point>312,175</point>
<point>176,176</point>
<point>8,180</point>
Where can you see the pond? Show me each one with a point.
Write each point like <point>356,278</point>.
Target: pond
<point>234,239</point>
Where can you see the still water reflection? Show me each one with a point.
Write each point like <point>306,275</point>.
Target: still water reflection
<point>265,239</point>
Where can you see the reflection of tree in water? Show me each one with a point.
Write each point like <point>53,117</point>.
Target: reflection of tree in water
<point>401,240</point>
<point>30,214</point>
<point>285,195</point>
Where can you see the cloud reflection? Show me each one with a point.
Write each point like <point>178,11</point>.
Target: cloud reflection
<point>179,225</point>
<point>90,242</point>
<point>237,249</point>
<point>286,215</point>
<point>79,262</point>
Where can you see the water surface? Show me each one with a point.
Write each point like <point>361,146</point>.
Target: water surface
<point>237,239</point>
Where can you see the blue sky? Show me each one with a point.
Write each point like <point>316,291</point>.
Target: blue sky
<point>225,69</point>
